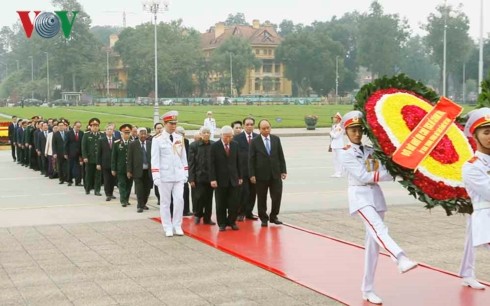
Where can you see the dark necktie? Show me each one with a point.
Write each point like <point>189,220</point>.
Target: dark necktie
<point>143,150</point>
<point>227,149</point>
<point>171,138</point>
<point>249,138</point>
<point>362,148</point>
<point>76,136</point>
<point>110,143</point>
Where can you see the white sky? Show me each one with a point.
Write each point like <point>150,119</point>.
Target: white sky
<point>201,14</point>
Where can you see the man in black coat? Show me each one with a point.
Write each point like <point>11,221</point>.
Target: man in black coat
<point>199,154</point>
<point>267,169</point>
<point>248,192</point>
<point>11,135</point>
<point>103,161</point>
<point>139,168</point>
<point>73,152</point>
<point>41,148</point>
<point>225,177</point>
<point>59,139</point>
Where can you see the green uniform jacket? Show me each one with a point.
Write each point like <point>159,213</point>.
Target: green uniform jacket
<point>90,143</point>
<point>119,156</point>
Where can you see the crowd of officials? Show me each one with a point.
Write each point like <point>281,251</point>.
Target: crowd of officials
<point>236,169</point>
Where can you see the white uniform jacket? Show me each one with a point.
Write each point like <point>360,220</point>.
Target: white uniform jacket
<point>210,123</point>
<point>337,136</point>
<point>363,177</point>
<point>476,178</point>
<point>168,159</point>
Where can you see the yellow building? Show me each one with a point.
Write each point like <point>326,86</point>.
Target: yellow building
<point>118,74</point>
<point>269,79</point>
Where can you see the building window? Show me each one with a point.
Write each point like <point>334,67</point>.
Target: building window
<point>257,51</point>
<point>277,84</point>
<point>277,68</point>
<point>267,66</point>
<point>257,84</point>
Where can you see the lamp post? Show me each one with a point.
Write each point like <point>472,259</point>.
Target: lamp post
<point>480,62</point>
<point>153,6</point>
<point>47,75</point>
<point>107,71</point>
<point>336,78</point>
<point>444,52</point>
<point>32,76</point>
<point>231,76</point>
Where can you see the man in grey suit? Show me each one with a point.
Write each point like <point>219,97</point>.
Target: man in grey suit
<point>267,169</point>
<point>139,165</point>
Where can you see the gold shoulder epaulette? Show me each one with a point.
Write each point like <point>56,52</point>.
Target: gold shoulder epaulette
<point>116,141</point>
<point>473,159</point>
<point>347,147</point>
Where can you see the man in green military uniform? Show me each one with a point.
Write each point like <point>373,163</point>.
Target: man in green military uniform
<point>118,164</point>
<point>90,142</point>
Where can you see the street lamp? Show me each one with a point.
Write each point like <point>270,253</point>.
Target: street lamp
<point>153,6</point>
<point>480,63</point>
<point>336,78</point>
<point>444,52</point>
<point>32,76</point>
<point>47,76</point>
<point>107,68</point>
<point>231,76</point>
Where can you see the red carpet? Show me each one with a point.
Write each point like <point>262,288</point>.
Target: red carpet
<point>334,267</point>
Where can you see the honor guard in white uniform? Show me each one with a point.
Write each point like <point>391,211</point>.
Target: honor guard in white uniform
<point>476,178</point>
<point>337,144</point>
<point>367,200</point>
<point>170,172</point>
<point>210,123</point>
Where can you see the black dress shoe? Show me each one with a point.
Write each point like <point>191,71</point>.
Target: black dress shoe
<point>61,182</point>
<point>197,220</point>
<point>140,210</point>
<point>107,199</point>
<point>277,221</point>
<point>240,218</point>
<point>187,214</point>
<point>78,184</point>
<point>251,217</point>
<point>69,184</point>
<point>113,197</point>
<point>209,222</point>
<point>234,227</point>
<point>146,207</point>
<point>263,224</point>
<point>87,192</point>
<point>98,194</point>
<point>222,228</point>
<point>128,203</point>
<point>124,204</point>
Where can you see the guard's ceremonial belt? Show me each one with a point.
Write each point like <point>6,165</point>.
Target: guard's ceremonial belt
<point>481,205</point>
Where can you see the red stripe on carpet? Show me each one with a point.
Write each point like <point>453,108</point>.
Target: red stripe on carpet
<point>334,267</point>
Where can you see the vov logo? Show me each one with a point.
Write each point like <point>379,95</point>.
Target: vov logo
<point>47,24</point>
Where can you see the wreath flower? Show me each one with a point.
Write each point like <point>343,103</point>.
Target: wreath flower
<point>392,109</point>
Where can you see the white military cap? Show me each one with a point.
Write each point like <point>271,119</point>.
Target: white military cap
<point>338,115</point>
<point>170,116</point>
<point>142,129</point>
<point>352,118</point>
<point>477,118</point>
<point>209,113</point>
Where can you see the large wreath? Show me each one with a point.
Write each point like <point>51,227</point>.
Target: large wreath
<point>392,108</point>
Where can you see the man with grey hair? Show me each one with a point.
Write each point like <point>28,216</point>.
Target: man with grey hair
<point>181,131</point>
<point>199,154</point>
<point>225,177</point>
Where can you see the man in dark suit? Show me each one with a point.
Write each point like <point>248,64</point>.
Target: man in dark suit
<point>73,152</point>
<point>59,139</point>
<point>248,192</point>
<point>267,169</point>
<point>187,212</point>
<point>41,148</point>
<point>11,135</point>
<point>103,161</point>
<point>139,165</point>
<point>225,177</point>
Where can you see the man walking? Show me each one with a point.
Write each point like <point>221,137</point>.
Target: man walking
<point>103,162</point>
<point>139,165</point>
<point>90,142</point>
<point>119,164</point>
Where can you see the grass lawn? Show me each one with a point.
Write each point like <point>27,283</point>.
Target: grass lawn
<point>190,117</point>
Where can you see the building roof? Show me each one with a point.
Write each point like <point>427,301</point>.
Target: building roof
<point>262,35</point>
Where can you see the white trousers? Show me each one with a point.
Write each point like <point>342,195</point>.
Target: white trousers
<point>467,268</point>
<point>376,236</point>
<point>167,191</point>
<point>337,162</point>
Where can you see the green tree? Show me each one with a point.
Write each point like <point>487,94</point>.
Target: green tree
<point>380,40</point>
<point>237,52</point>
<point>102,33</point>
<point>237,19</point>
<point>416,62</point>
<point>458,42</point>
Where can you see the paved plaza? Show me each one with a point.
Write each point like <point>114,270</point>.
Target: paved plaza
<point>59,246</point>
